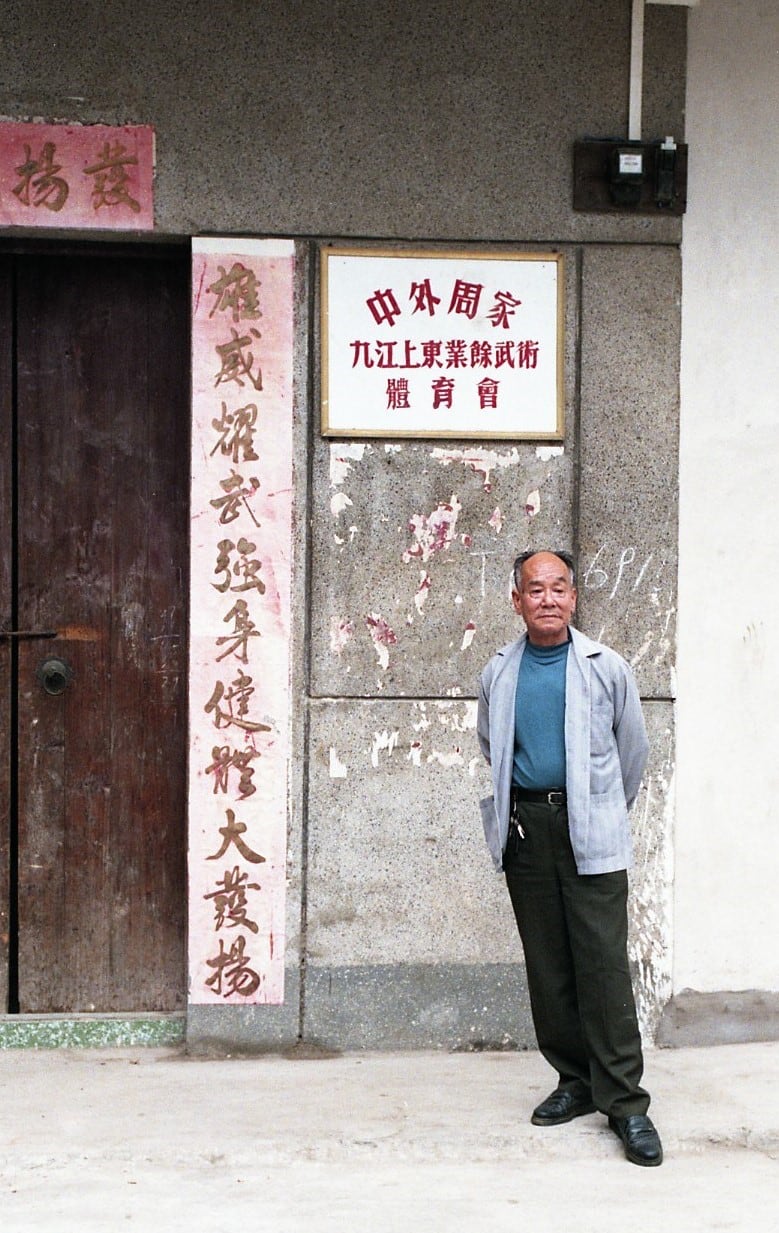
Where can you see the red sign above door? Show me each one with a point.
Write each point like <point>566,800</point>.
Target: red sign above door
<point>77,176</point>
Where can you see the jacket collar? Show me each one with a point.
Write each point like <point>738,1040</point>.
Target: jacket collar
<point>584,647</point>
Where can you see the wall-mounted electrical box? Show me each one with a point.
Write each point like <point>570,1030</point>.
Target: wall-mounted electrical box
<point>630,177</point>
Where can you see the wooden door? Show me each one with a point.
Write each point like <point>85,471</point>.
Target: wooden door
<point>96,396</point>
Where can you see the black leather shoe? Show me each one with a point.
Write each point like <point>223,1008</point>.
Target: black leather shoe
<point>562,1106</point>
<point>641,1140</point>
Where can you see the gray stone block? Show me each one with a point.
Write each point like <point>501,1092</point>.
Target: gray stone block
<point>629,457</point>
<point>229,1030</point>
<point>356,120</point>
<point>413,545</point>
<point>398,870</point>
<point>418,1006</point>
<point>650,904</point>
<point>693,1019</point>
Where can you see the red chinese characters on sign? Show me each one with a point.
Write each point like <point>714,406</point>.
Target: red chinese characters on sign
<point>39,185</point>
<point>448,353</point>
<point>240,600</point>
<point>444,353</point>
<point>84,176</point>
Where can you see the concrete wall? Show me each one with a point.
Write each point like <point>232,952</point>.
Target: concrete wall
<point>726,966</point>
<point>428,122</point>
<point>340,118</point>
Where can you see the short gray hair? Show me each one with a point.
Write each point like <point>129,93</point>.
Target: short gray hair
<point>565,557</point>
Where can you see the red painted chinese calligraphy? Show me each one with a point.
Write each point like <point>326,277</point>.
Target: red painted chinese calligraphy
<point>240,604</point>
<point>84,176</point>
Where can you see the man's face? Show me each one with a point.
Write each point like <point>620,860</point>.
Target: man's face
<point>546,601</point>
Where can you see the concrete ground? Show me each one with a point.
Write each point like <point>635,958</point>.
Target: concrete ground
<point>108,1140</point>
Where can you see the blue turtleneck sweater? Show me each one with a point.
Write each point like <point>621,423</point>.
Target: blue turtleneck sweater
<point>539,724</point>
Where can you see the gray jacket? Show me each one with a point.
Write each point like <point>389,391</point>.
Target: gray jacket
<point>605,749</point>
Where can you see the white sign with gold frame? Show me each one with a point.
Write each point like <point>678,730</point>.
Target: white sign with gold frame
<point>430,343</point>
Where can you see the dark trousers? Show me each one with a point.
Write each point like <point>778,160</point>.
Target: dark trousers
<point>574,934</point>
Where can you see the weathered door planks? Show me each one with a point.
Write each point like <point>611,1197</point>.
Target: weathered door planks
<point>102,410</point>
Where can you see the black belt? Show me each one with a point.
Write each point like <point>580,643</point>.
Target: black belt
<point>545,796</point>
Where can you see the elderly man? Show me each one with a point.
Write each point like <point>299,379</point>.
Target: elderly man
<point>560,723</point>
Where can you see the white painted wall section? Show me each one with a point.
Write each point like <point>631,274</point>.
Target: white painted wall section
<point>727,813</point>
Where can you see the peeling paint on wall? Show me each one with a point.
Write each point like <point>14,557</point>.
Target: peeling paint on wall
<point>337,767</point>
<point>422,590</point>
<point>433,533</point>
<point>338,503</point>
<point>383,741</point>
<point>383,637</point>
<point>660,646</point>
<point>435,738</point>
<point>447,760</point>
<point>341,632</point>
<point>496,521</point>
<point>459,718</point>
<point>341,458</point>
<point>482,461</point>
<point>468,633</point>
<point>533,503</point>
<point>342,455</point>
<point>650,901</point>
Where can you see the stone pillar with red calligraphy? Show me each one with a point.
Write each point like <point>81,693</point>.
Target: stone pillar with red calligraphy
<point>240,609</point>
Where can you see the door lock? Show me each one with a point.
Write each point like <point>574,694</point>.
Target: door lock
<point>55,676</point>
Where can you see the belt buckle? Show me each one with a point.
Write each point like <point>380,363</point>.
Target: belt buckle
<point>555,798</point>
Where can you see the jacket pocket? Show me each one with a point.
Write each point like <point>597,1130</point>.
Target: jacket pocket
<point>602,738</point>
<point>608,836</point>
<point>489,820</point>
